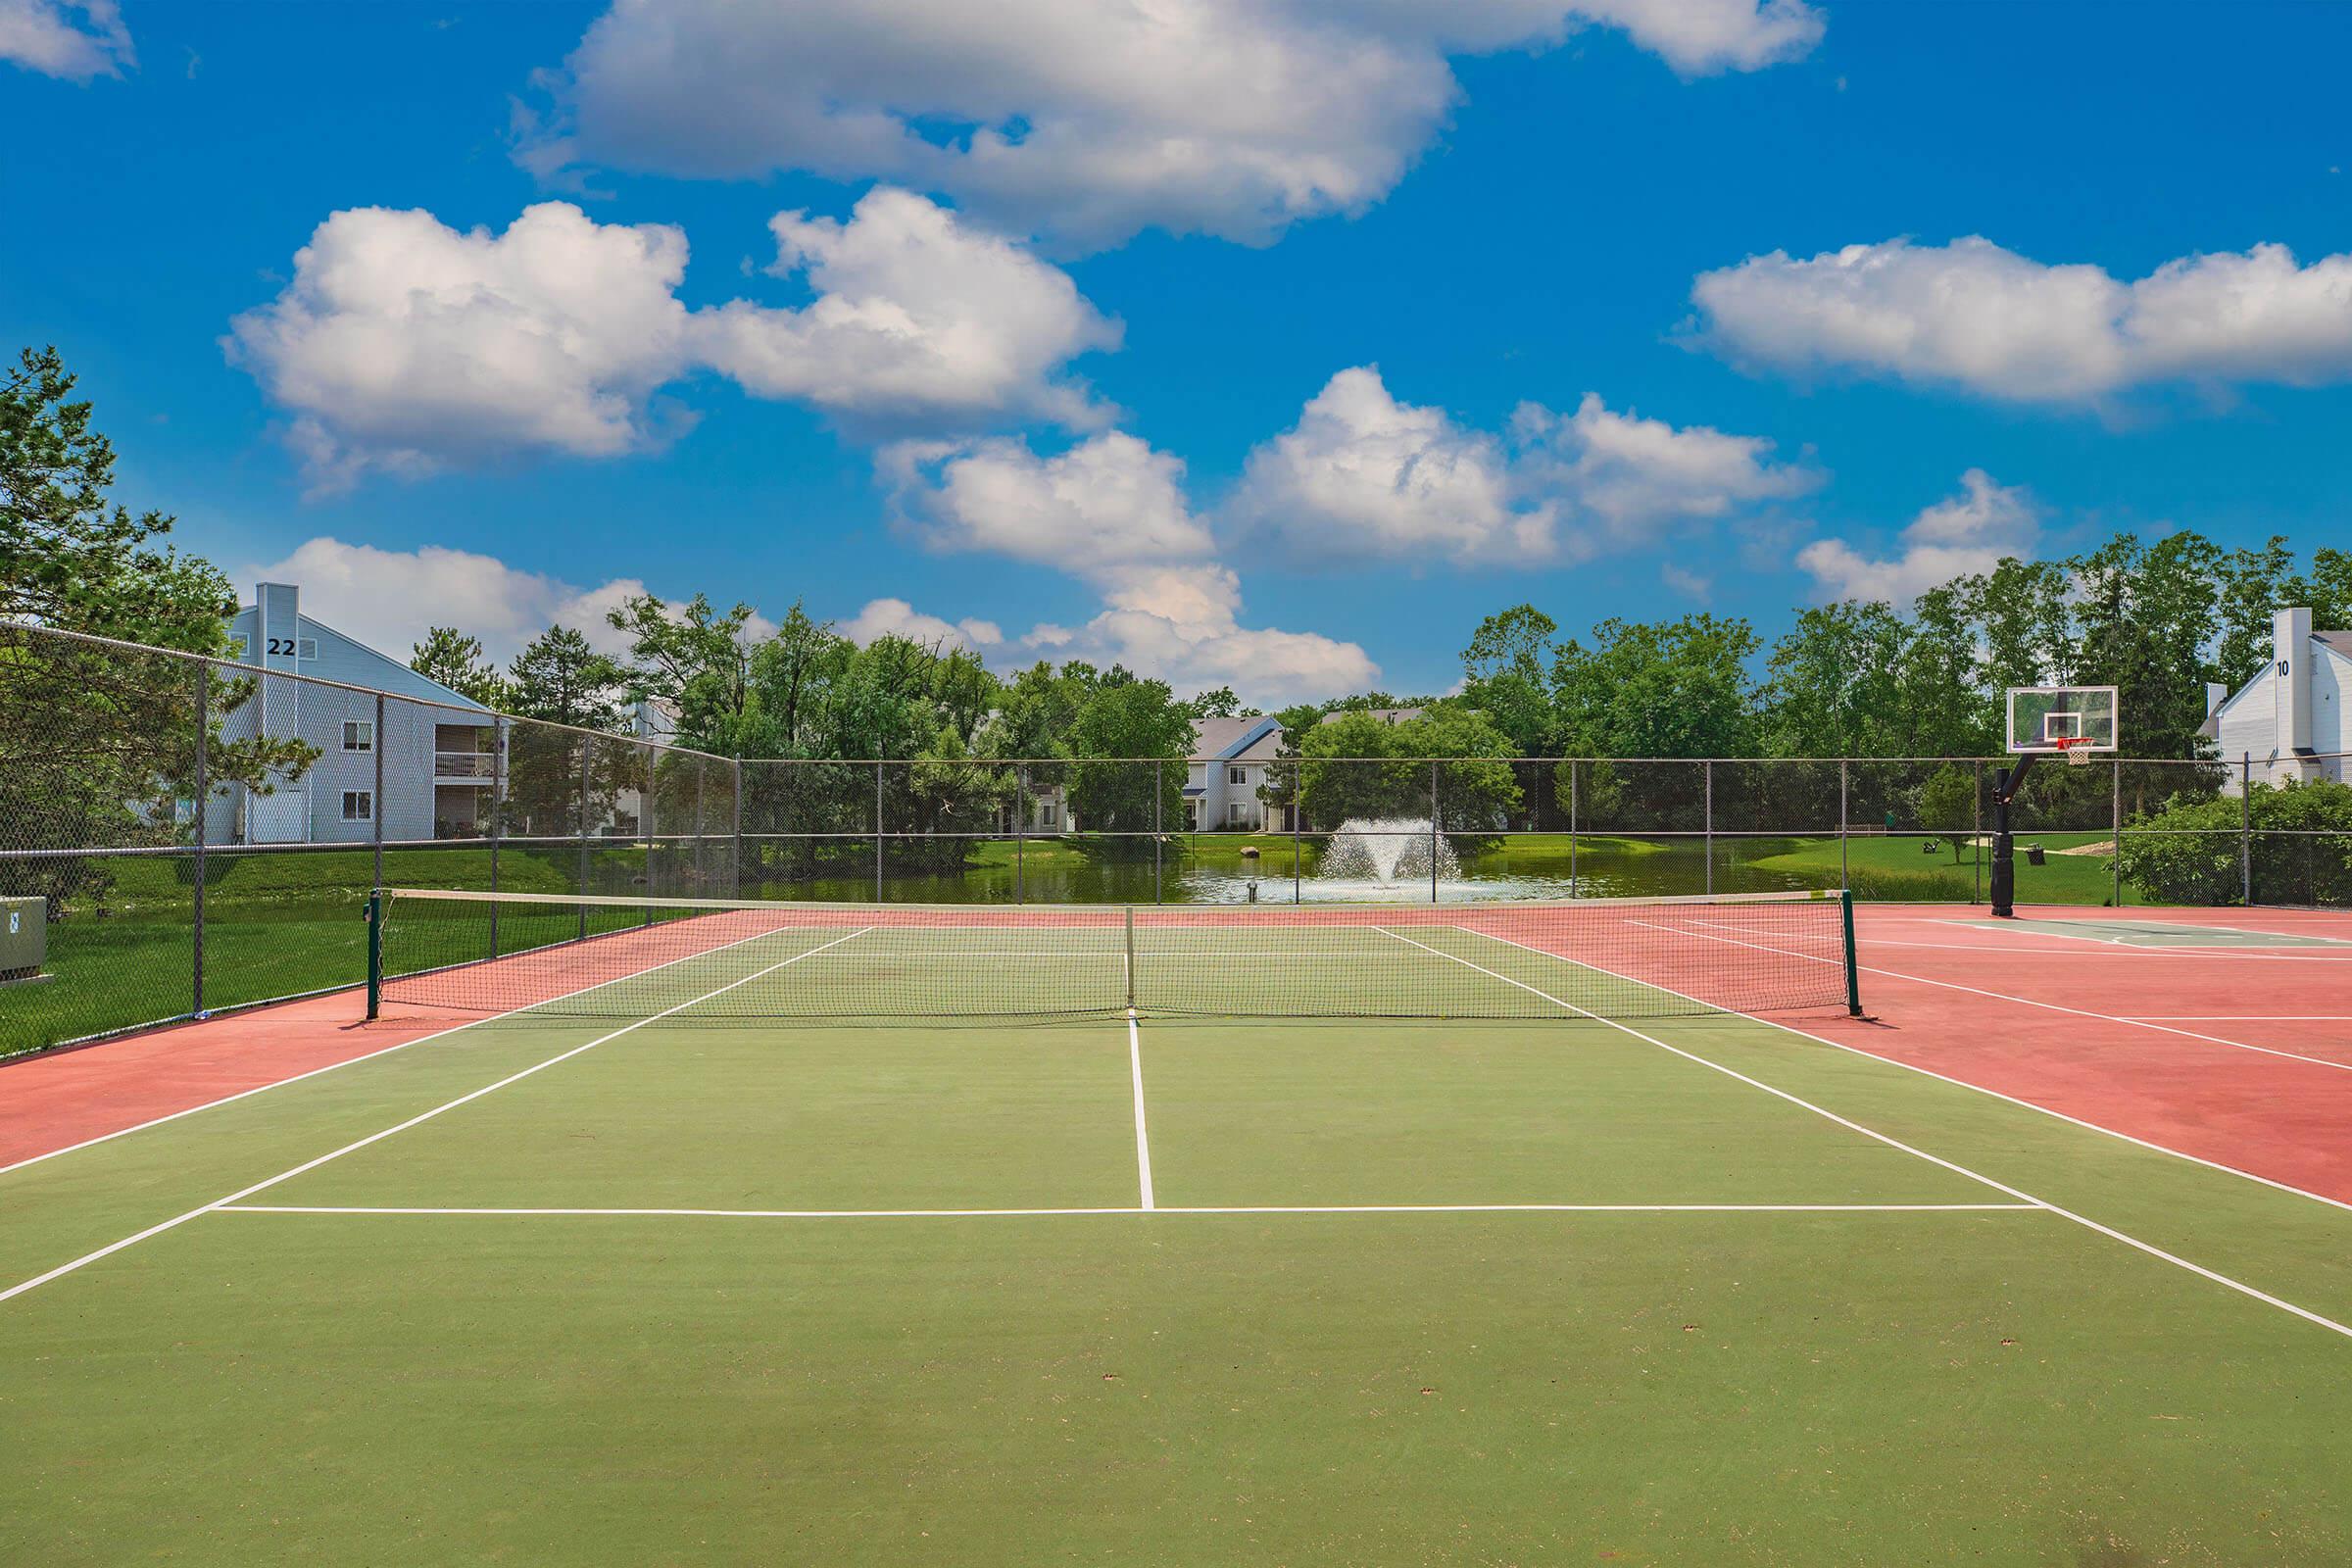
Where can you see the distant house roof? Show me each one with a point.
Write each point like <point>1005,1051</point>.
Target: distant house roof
<point>2340,641</point>
<point>1236,739</point>
<point>1387,715</point>
<point>357,665</point>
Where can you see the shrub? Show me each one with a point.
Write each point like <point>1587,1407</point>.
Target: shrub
<point>2187,852</point>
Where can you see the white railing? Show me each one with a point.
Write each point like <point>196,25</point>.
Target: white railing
<point>465,767</point>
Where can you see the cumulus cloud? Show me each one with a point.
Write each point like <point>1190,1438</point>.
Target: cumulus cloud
<point>387,598</point>
<point>896,618</point>
<point>1968,532</point>
<point>1362,475</point>
<point>73,39</point>
<point>402,345</point>
<point>1109,502</point>
<point>1072,118</point>
<point>1112,512</point>
<point>1991,321</point>
<point>917,316</point>
<point>1183,625</point>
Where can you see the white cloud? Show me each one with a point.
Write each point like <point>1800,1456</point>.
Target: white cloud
<point>896,618</point>
<point>402,345</point>
<point>917,316</point>
<point>387,598</point>
<point>1109,502</point>
<point>1968,532</point>
<point>1183,625</point>
<point>1689,584</point>
<point>1075,118</point>
<point>1112,512</point>
<point>75,39</point>
<point>1362,475</point>
<point>1999,324</point>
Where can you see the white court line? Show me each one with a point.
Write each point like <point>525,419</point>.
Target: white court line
<point>2003,996</point>
<point>2088,1223</point>
<point>2238,1017</point>
<point>1930,1072</point>
<point>2114,950</point>
<point>373,1138</point>
<point>438,1034</point>
<point>1142,1140</point>
<point>1253,1208</point>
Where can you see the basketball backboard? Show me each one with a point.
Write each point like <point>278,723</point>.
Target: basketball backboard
<point>2060,718</point>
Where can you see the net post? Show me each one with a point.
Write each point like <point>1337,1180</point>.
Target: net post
<point>204,789</point>
<point>1853,963</point>
<point>376,952</point>
<point>1129,912</point>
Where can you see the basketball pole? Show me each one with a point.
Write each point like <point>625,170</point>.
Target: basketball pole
<point>2005,785</point>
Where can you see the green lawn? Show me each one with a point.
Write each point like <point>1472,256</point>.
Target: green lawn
<point>1906,1381</point>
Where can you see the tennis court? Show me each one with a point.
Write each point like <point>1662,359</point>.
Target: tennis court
<point>1597,1232</point>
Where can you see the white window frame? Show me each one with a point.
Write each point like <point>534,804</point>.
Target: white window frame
<point>359,735</point>
<point>358,806</point>
<point>1237,774</point>
<point>1235,814</point>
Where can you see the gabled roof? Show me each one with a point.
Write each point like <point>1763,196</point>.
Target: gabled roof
<point>383,673</point>
<point>1225,739</point>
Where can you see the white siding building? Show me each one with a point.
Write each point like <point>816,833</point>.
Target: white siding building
<point>436,747</point>
<point>1229,763</point>
<point>2290,720</point>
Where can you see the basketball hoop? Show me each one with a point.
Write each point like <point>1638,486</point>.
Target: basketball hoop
<point>2075,749</point>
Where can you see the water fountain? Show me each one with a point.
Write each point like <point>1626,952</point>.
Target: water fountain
<point>1386,850</point>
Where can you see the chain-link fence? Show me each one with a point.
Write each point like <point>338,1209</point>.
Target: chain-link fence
<point>183,835</point>
<point>201,834</point>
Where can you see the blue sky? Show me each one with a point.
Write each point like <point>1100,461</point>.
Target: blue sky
<point>1268,344</point>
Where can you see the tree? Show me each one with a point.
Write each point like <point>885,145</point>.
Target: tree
<point>1219,704</point>
<point>563,681</point>
<point>694,657</point>
<point>2147,617</point>
<point>2253,582</point>
<point>101,741</point>
<point>2024,622</point>
<point>1503,675</point>
<point>1948,804</point>
<point>1833,684</point>
<point>2301,847</point>
<point>1125,718</point>
<point>1357,766</point>
<point>456,660</point>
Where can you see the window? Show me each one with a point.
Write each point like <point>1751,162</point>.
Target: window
<point>236,647</point>
<point>358,806</point>
<point>1236,775</point>
<point>1236,814</point>
<point>359,735</point>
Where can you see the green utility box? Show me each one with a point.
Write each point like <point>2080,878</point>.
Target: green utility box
<point>24,938</point>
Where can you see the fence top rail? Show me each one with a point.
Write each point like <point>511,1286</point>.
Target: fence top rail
<point>1295,760</point>
<point>245,671</point>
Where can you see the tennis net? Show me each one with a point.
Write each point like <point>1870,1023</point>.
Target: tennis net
<point>435,953</point>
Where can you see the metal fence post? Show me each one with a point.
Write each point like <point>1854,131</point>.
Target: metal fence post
<point>2116,845</point>
<point>1432,832</point>
<point>204,789</point>
<point>1845,869</point>
<point>1020,834</point>
<point>1572,803</point>
<point>1159,788</point>
<point>587,789</point>
<point>2246,827</point>
<point>735,867</point>
<point>877,832</point>
<point>650,825</point>
<point>1297,835</point>
<point>376,807</point>
<point>1976,833</point>
<point>1710,822</point>
<point>498,798</point>
<point>702,824</point>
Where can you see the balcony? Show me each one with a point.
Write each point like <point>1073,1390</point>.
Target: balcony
<point>463,767</point>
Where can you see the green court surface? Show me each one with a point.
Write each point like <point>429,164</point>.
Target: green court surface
<point>2156,934</point>
<point>1690,1288</point>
